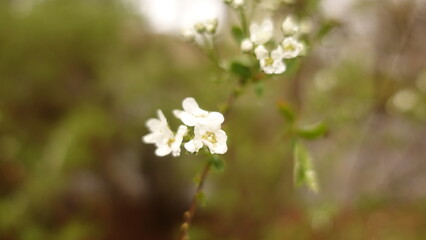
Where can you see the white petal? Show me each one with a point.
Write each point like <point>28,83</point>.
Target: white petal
<point>277,53</point>
<point>279,67</point>
<point>188,119</point>
<point>265,68</point>
<point>153,124</point>
<point>182,130</point>
<point>163,150</point>
<point>267,25</point>
<point>261,52</point>
<point>161,116</point>
<point>190,105</point>
<point>193,146</point>
<point>220,148</point>
<point>254,29</point>
<point>215,118</point>
<point>150,138</point>
<point>221,136</point>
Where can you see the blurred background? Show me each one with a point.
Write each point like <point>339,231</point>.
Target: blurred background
<point>79,78</point>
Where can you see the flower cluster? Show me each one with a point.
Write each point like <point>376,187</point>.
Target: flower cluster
<point>198,29</point>
<point>272,62</point>
<point>205,126</point>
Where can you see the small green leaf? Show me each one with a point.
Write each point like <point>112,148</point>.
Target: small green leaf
<point>312,131</point>
<point>217,163</point>
<point>240,69</point>
<point>303,170</point>
<point>201,198</point>
<point>326,28</point>
<point>286,111</point>
<point>259,88</point>
<point>237,33</point>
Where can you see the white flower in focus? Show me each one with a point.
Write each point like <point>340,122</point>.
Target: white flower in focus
<point>193,115</point>
<point>246,45</point>
<point>291,47</point>
<point>260,34</point>
<point>270,63</point>
<point>211,136</point>
<point>163,137</point>
<point>290,26</point>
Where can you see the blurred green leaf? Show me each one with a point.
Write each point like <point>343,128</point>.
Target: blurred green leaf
<point>312,131</point>
<point>326,28</point>
<point>286,110</point>
<point>217,163</point>
<point>237,33</point>
<point>240,69</point>
<point>303,170</point>
<point>259,88</point>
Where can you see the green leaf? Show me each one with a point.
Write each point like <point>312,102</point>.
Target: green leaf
<point>259,88</point>
<point>240,69</point>
<point>286,110</point>
<point>312,131</point>
<point>326,28</point>
<point>217,163</point>
<point>304,173</point>
<point>237,33</point>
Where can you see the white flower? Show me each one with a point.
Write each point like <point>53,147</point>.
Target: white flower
<point>260,34</point>
<point>270,63</point>
<point>290,26</point>
<point>246,45</point>
<point>291,47</point>
<point>211,136</point>
<point>193,115</point>
<point>163,137</point>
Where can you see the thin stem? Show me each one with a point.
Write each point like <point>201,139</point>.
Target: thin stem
<point>189,214</point>
<point>243,20</point>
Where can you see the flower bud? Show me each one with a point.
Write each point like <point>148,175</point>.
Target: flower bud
<point>289,26</point>
<point>246,45</point>
<point>211,25</point>
<point>199,27</point>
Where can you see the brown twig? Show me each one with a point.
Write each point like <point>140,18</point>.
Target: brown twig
<point>189,214</point>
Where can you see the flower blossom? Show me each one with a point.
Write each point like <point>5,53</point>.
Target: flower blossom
<point>207,127</point>
<point>193,115</point>
<point>271,63</point>
<point>260,34</point>
<point>161,135</point>
<point>291,47</point>
<point>211,136</point>
<point>289,26</point>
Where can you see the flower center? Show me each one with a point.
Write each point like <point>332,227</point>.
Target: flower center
<point>209,136</point>
<point>170,141</point>
<point>269,61</point>
<point>289,47</point>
